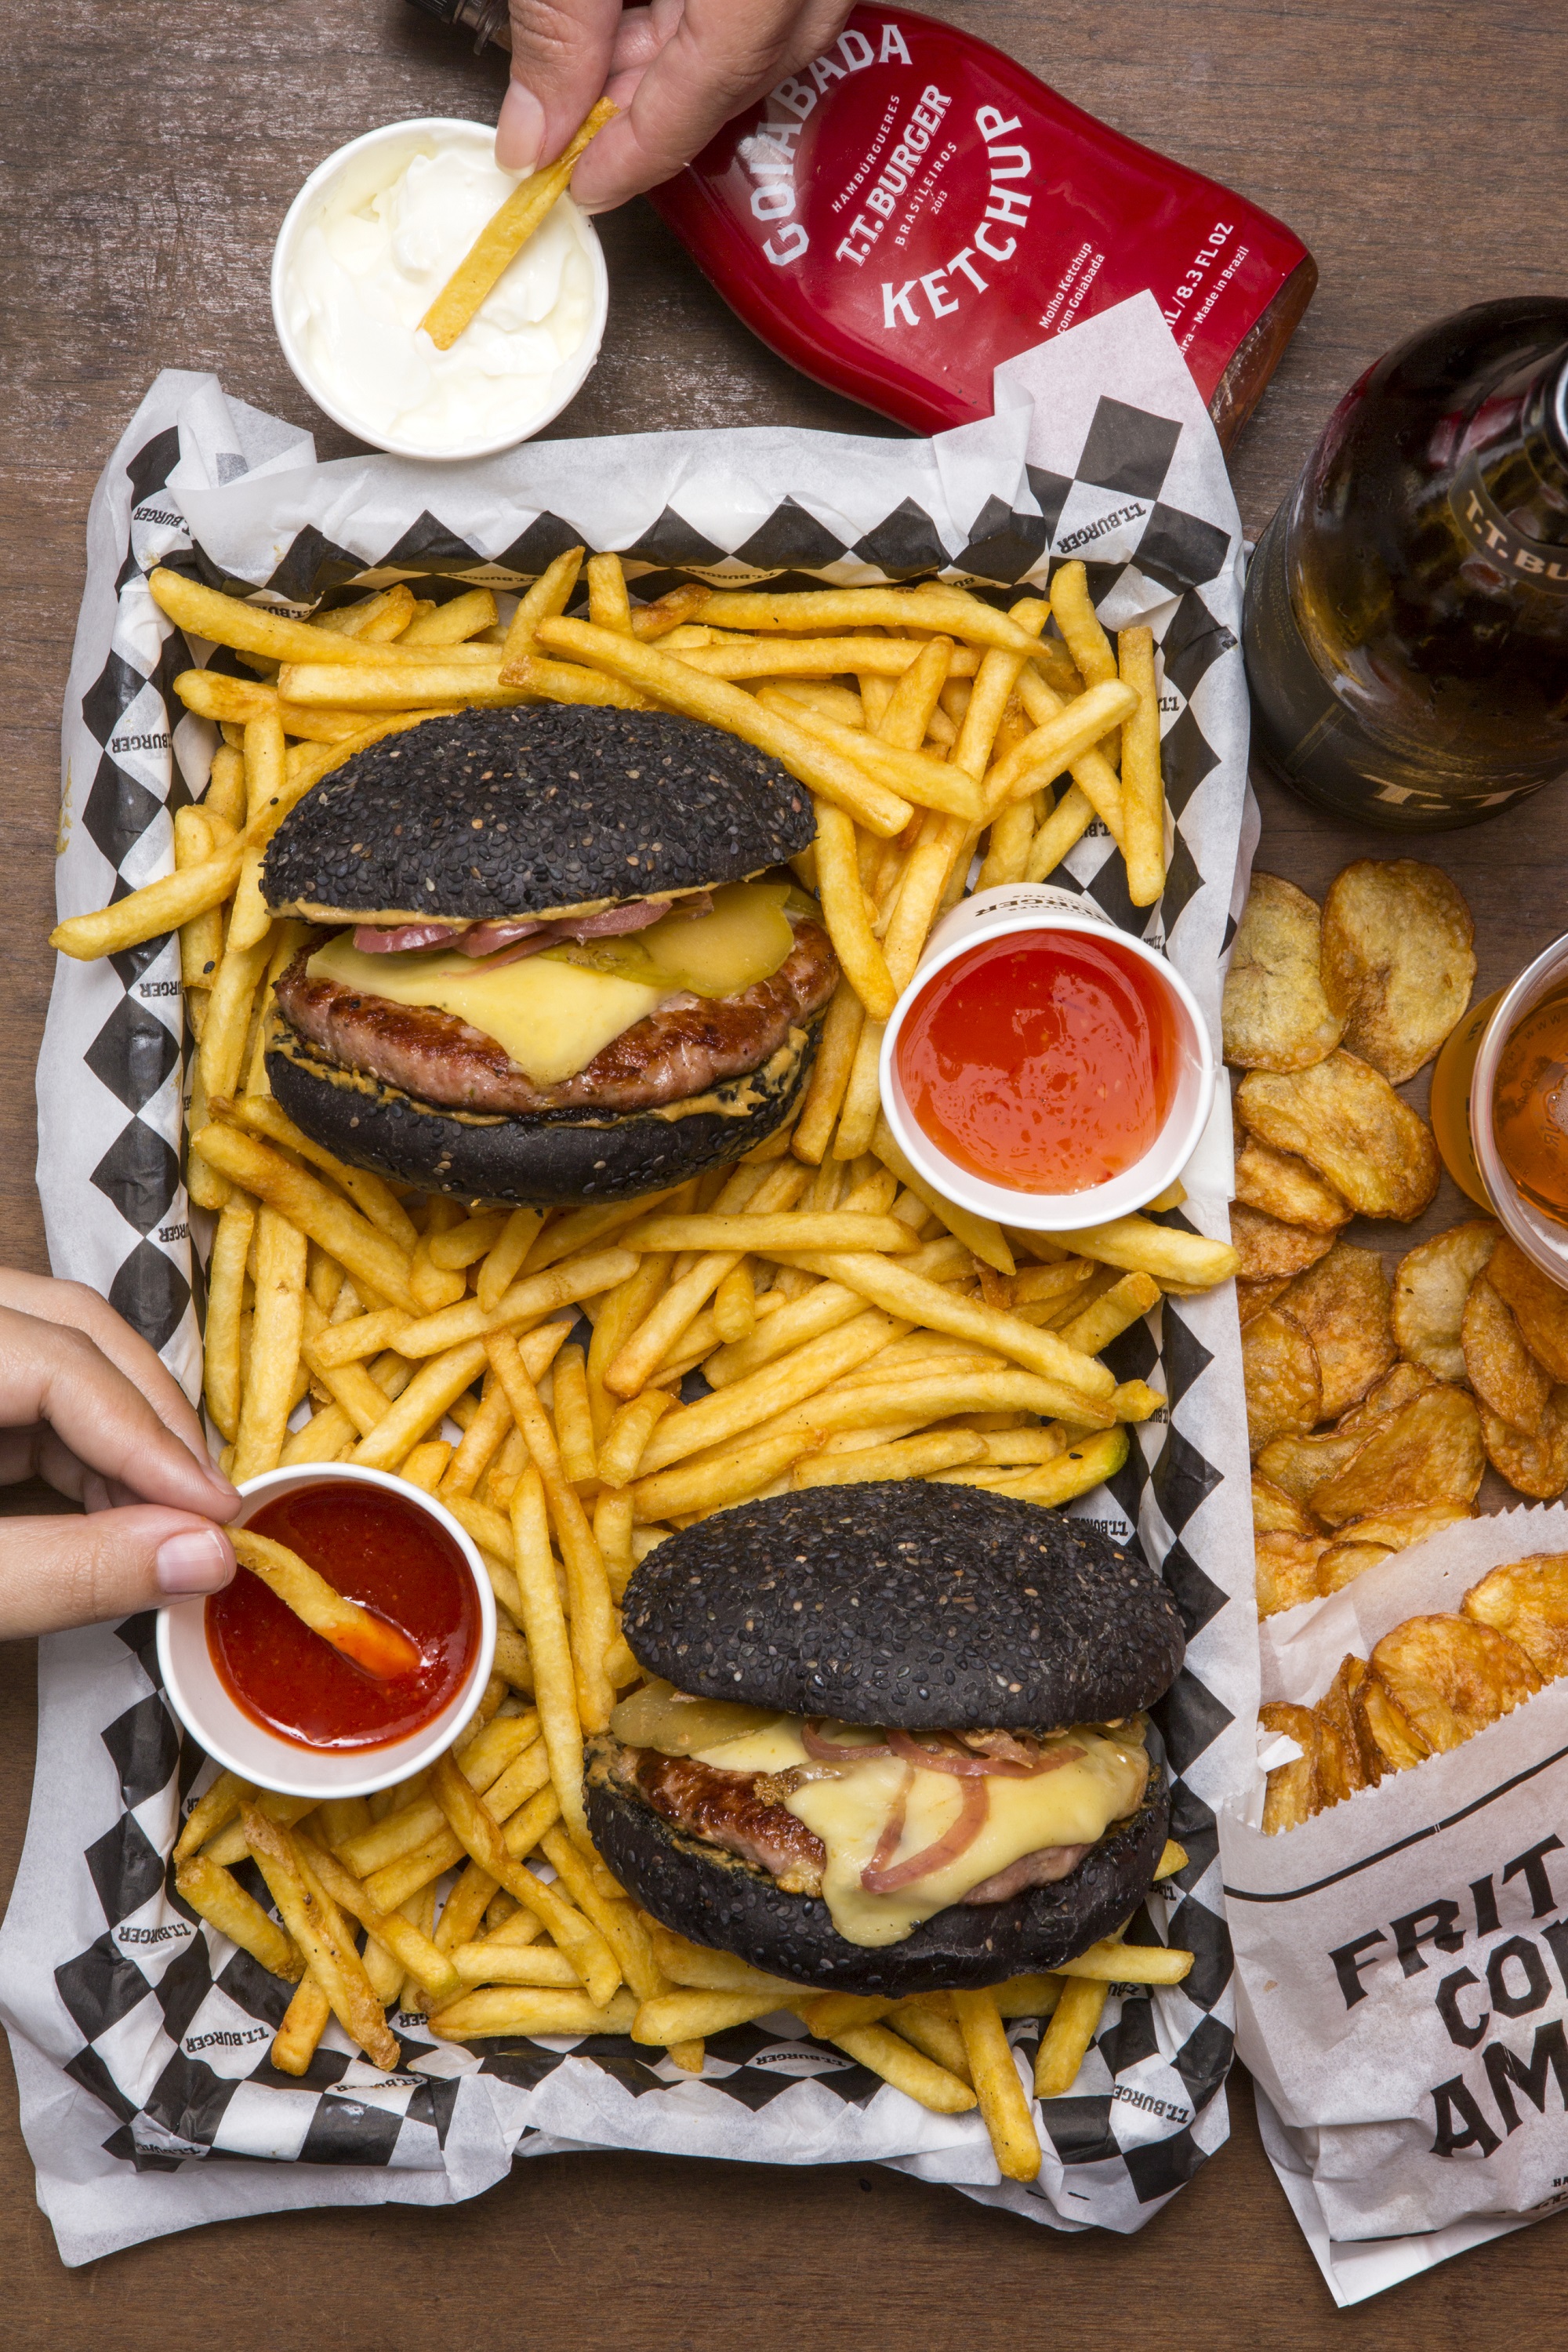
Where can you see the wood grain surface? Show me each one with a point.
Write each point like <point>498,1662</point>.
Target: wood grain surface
<point>1418,146</point>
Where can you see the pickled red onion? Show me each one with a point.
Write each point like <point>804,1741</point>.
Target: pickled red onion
<point>880,1878</point>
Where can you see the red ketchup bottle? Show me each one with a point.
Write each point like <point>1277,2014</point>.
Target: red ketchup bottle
<point>912,207</point>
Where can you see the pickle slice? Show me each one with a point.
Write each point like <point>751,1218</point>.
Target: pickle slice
<point>743,940</point>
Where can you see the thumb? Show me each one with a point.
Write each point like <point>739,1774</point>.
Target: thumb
<point>560,52</point>
<point>70,1571</point>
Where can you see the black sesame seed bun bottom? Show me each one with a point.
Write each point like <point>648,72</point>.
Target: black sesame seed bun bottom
<point>713,1898</point>
<point>546,1161</point>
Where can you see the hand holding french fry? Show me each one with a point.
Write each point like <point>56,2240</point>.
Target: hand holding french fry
<point>85,1404</point>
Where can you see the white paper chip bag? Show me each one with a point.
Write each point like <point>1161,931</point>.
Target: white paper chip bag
<point>1403,1957</point>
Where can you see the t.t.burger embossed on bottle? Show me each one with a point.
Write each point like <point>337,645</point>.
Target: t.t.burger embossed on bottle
<point>1507,552</point>
<point>911,207</point>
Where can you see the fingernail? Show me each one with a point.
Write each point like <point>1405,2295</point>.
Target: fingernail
<point>197,1561</point>
<point>519,132</point>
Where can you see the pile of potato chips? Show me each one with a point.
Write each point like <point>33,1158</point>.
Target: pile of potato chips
<point>1429,1685</point>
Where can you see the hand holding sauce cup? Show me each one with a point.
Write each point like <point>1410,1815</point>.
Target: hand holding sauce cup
<point>1044,1068</point>
<point>270,1699</point>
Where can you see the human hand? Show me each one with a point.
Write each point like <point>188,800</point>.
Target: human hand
<point>677,69</point>
<point>87,1405</point>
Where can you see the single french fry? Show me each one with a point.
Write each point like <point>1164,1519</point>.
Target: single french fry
<point>226,1299</point>
<point>223,800</point>
<point>449,625</point>
<point>425,1466</point>
<point>1067,824</point>
<point>479,1443</point>
<point>537,679</point>
<point>247,628</point>
<point>1074,614</point>
<point>670,611</point>
<point>574,1420</point>
<point>1063,741</point>
<point>705,1970</point>
<point>221,1900</point>
<point>276,1335</point>
<point>686,2016</point>
<point>1142,791</point>
<point>932,606</point>
<point>228,1019</point>
<point>735,1305</point>
<point>526,2010</point>
<point>504,236</point>
<point>1113,1962</point>
<point>304,2021</point>
<point>1173,1857</point>
<point>1064,2045</point>
<point>198,831</point>
<point>824,1308</point>
<point>375,1261</point>
<point>1008,2119</point>
<point>1111,1313</point>
<point>1165,1252</point>
<point>373,619</point>
<point>628,1436</point>
<point>907,719</point>
<point>614,1517</point>
<point>1085,1464</point>
<point>609,606</point>
<point>915,776</point>
<point>844,906</point>
<point>499,1269</point>
<point>665,676</point>
<point>382,1649</point>
<point>1012,836</point>
<point>910,1458</point>
<point>549,595</point>
<point>317,1927</point>
<point>549,1649</point>
<point>212,1811</point>
<point>464,1244</point>
<point>434,1389</point>
<point>935,2035</point>
<point>830,1075</point>
<point>907,2070</point>
<point>593,1610</point>
<point>353,1342</point>
<point>493,1963</point>
<point>440,681</point>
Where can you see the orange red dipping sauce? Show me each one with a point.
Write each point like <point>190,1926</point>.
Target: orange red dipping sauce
<point>1043,1060</point>
<point>390,1556</point>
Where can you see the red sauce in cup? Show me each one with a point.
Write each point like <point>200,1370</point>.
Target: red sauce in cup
<point>1043,1060</point>
<point>378,1549</point>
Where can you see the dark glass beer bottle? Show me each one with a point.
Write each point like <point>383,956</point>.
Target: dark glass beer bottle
<point>1406,629</point>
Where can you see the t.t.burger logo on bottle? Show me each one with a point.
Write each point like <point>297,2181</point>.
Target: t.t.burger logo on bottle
<point>882,218</point>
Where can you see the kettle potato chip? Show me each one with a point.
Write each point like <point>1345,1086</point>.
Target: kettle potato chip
<point>1430,1451</point>
<point>1283,1186</point>
<point>1528,1600</point>
<point>1450,1676</point>
<point>1268,1249</point>
<point>1386,1738</point>
<point>1431,1284</point>
<point>1536,1466</point>
<point>1286,1570</point>
<point>1274,1015</point>
<point>1344,1117</point>
<point>1503,1373</point>
<point>1334,1713</point>
<point>1398,961</point>
<point>1274,1512</point>
<point>1342,1563</point>
<point>1342,1304</point>
<point>1399,1386</point>
<point>1279,1368</point>
<point>1301,1465</point>
<point>1252,1298</point>
<point>1540,1307</point>
<point>1411,1523</point>
<point>1294,1794</point>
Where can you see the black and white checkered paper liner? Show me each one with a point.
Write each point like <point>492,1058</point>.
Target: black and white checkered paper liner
<point>140,2035</point>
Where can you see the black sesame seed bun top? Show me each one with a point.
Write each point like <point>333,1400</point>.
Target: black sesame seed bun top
<point>540,810</point>
<point>910,1604</point>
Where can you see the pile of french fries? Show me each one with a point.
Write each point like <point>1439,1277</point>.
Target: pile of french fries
<point>849,1322</point>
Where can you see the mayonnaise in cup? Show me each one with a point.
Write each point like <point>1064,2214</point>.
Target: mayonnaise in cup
<point>367,244</point>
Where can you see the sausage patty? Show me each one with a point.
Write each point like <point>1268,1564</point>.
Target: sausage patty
<point>689,1045</point>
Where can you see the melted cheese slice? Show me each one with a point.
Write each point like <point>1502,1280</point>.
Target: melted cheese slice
<point>1073,1805</point>
<point>549,1016</point>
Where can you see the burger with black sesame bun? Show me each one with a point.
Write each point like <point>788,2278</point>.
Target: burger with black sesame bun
<point>557,955</point>
<point>893,1736</point>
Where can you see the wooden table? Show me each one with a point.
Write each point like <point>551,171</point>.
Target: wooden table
<point>1415,145</point>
